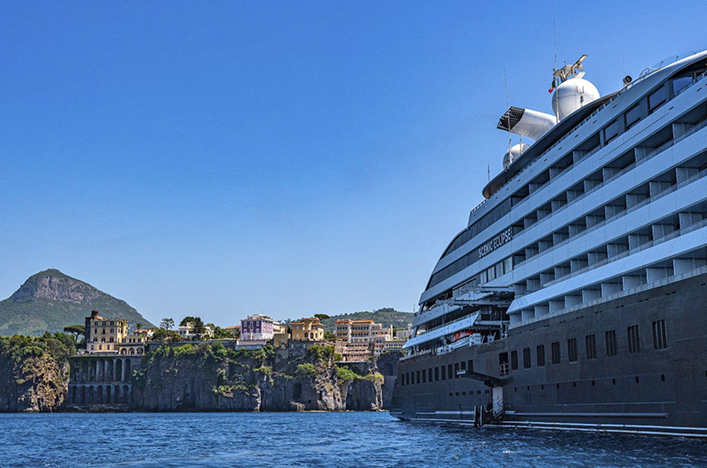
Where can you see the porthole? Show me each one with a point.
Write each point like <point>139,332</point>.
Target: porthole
<point>593,383</point>
<point>542,387</point>
<point>613,381</point>
<point>528,387</point>
<point>558,386</point>
<point>515,389</point>
<point>636,379</point>
<point>662,377</point>
<point>574,384</point>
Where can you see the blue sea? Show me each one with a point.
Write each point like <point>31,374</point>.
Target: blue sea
<point>314,440</point>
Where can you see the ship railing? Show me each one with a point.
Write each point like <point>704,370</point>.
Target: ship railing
<point>586,119</point>
<point>644,287</point>
<point>633,251</point>
<point>639,205</point>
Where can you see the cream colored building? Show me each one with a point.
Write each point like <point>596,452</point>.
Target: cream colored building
<point>104,335</point>
<point>308,329</point>
<point>362,339</point>
<point>132,345</point>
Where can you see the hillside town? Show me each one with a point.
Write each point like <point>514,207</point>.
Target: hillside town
<point>353,340</point>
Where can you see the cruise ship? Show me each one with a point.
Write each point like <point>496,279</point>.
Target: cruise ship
<point>576,295</point>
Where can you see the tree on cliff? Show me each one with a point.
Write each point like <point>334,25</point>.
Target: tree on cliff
<point>167,323</point>
<point>76,331</point>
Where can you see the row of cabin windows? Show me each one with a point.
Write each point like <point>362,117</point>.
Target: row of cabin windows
<point>455,370</point>
<point>660,341</point>
<point>613,168</point>
<point>435,374</point>
<point>646,106</point>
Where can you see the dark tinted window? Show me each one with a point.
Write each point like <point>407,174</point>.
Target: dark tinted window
<point>541,355</point>
<point>611,343</point>
<point>660,337</point>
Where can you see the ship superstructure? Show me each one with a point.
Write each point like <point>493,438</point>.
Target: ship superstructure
<point>584,266</point>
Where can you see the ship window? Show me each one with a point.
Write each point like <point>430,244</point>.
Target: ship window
<point>660,338</point>
<point>591,344</point>
<point>462,366</point>
<point>450,373</point>
<point>657,99</point>
<point>633,115</point>
<point>444,373</point>
<point>526,358</point>
<point>456,370</point>
<point>611,343</point>
<point>572,349</point>
<point>417,378</point>
<point>555,350</point>
<point>436,374</point>
<point>429,374</point>
<point>611,131</point>
<point>470,366</point>
<point>514,360</point>
<point>681,83</point>
<point>541,355</point>
<point>424,376</point>
<point>634,340</point>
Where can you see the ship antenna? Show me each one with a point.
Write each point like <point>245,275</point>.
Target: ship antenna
<point>554,37</point>
<point>508,118</point>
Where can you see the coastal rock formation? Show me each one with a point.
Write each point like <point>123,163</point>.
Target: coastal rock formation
<point>33,374</point>
<point>209,377</point>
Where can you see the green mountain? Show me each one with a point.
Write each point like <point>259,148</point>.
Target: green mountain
<point>51,300</point>
<point>386,316</point>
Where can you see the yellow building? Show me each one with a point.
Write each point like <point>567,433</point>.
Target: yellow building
<point>104,335</point>
<point>133,344</point>
<point>308,329</point>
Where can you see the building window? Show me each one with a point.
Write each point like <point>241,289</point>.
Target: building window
<point>555,350</point>
<point>660,337</point>
<point>591,345</point>
<point>634,340</point>
<point>541,355</point>
<point>572,349</point>
<point>514,360</point>
<point>526,358</point>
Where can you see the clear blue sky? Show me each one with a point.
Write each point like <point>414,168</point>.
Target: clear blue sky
<point>290,158</point>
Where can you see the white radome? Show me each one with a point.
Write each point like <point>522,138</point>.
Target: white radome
<point>573,94</point>
<point>512,153</point>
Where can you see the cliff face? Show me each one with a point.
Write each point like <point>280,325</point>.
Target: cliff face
<point>33,374</point>
<point>209,377</point>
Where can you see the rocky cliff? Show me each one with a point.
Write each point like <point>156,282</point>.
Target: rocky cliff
<point>33,373</point>
<point>209,377</point>
<point>51,300</point>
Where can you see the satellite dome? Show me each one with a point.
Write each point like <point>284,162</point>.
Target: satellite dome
<point>573,94</point>
<point>512,153</point>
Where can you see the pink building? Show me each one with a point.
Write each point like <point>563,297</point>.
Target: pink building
<point>256,328</point>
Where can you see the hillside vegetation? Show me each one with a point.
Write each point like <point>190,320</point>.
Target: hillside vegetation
<point>51,300</point>
<point>386,316</point>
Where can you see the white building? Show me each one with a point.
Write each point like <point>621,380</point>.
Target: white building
<point>186,331</point>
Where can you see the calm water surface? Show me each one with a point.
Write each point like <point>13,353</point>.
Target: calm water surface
<point>313,440</point>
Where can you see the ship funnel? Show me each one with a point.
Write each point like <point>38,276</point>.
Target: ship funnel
<point>526,122</point>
